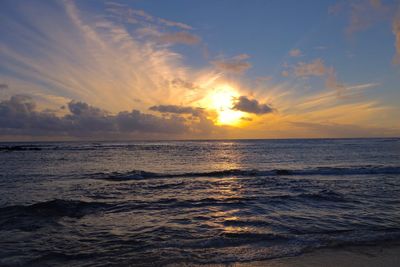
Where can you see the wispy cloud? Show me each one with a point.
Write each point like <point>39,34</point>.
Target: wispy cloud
<point>318,68</point>
<point>295,52</point>
<point>138,16</point>
<point>335,8</point>
<point>314,68</point>
<point>396,32</point>
<point>175,24</point>
<point>237,64</point>
<point>364,13</point>
<point>181,37</point>
<point>178,38</point>
<point>95,60</point>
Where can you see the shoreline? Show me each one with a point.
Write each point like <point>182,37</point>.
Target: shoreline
<point>387,255</point>
<point>382,255</point>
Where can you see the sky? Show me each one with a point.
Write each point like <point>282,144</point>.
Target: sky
<point>210,69</point>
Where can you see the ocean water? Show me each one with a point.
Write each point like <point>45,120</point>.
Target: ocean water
<point>193,202</point>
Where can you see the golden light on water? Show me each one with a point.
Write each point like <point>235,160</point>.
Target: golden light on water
<point>221,99</point>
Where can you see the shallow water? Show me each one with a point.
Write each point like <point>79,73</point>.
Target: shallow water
<point>155,203</point>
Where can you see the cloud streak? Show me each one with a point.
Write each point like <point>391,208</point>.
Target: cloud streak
<point>396,32</point>
<point>295,52</point>
<point>314,68</point>
<point>236,65</point>
<point>318,68</point>
<point>364,13</point>
<point>138,16</point>
<point>178,38</point>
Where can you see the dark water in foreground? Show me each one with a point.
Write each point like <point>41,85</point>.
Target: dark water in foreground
<point>157,203</point>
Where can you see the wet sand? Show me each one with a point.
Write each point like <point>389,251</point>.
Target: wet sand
<point>352,256</point>
<point>366,256</point>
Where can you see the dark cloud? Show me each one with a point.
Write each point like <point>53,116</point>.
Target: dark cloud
<point>242,103</point>
<point>19,115</point>
<point>177,109</point>
<point>3,86</point>
<point>135,120</point>
<point>85,119</point>
<point>83,109</point>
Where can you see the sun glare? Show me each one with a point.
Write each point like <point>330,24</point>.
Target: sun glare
<point>221,99</point>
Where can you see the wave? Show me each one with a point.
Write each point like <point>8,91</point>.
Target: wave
<point>322,171</point>
<point>20,148</point>
<point>234,239</point>
<point>36,215</point>
<point>323,195</point>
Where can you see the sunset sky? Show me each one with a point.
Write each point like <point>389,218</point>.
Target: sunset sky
<point>181,69</point>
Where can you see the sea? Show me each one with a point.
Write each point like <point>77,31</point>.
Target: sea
<point>161,203</point>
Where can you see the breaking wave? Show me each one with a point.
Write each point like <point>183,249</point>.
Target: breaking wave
<point>319,171</point>
<point>31,217</point>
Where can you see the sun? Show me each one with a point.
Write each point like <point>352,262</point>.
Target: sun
<point>221,100</point>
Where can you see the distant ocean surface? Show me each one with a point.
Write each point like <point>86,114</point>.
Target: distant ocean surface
<point>193,202</point>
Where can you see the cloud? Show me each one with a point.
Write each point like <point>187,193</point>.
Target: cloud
<point>175,24</point>
<point>128,14</point>
<point>19,115</point>
<point>364,13</point>
<point>178,109</point>
<point>314,68</point>
<point>396,32</point>
<point>185,84</point>
<point>137,121</point>
<point>83,109</point>
<point>138,16</point>
<point>295,53</point>
<point>285,73</point>
<point>242,103</point>
<point>3,86</point>
<point>178,38</point>
<point>246,119</point>
<point>318,68</point>
<point>108,60</point>
<point>335,9</point>
<point>237,64</point>
<point>95,59</point>
<point>331,81</point>
<point>182,37</point>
